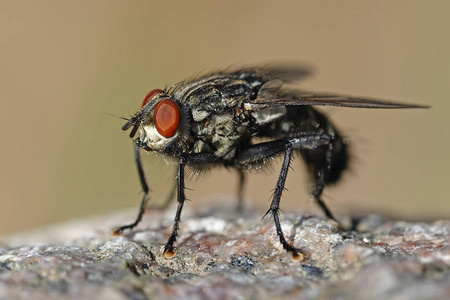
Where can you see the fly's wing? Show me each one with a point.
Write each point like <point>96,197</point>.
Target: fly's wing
<point>285,72</point>
<point>271,95</point>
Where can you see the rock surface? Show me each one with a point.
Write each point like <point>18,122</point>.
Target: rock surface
<point>226,255</point>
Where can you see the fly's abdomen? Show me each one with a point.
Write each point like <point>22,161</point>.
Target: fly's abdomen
<point>327,169</point>
<point>326,163</point>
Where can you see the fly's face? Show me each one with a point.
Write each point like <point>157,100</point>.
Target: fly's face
<point>158,121</point>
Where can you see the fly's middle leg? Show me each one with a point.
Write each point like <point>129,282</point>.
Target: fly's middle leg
<point>257,154</point>
<point>240,192</point>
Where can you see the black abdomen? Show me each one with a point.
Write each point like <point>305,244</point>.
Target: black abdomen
<point>326,162</point>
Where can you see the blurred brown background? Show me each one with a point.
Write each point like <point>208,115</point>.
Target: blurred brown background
<point>66,66</point>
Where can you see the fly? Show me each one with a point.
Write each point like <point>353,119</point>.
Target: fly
<point>216,120</point>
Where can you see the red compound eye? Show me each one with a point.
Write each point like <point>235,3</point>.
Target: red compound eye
<point>150,96</point>
<point>167,117</point>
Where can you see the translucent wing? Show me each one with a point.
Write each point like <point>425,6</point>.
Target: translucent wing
<point>332,100</point>
<point>272,95</point>
<point>285,72</point>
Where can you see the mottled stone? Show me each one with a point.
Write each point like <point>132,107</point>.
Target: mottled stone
<point>226,255</point>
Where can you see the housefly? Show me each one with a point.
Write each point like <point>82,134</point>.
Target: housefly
<point>242,119</point>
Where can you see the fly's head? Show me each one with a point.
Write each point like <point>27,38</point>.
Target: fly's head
<point>160,122</point>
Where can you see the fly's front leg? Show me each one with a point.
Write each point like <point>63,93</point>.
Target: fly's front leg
<point>169,249</point>
<point>142,208</point>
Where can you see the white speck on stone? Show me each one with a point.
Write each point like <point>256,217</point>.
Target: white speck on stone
<point>209,224</point>
<point>231,243</point>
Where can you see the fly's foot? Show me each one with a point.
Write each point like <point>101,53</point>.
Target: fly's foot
<point>169,252</point>
<point>297,256</point>
<point>340,227</point>
<point>119,230</point>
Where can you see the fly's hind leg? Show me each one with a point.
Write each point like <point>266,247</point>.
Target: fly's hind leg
<point>326,167</point>
<point>316,193</point>
<point>321,182</point>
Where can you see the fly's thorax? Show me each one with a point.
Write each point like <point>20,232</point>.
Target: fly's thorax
<point>220,133</point>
